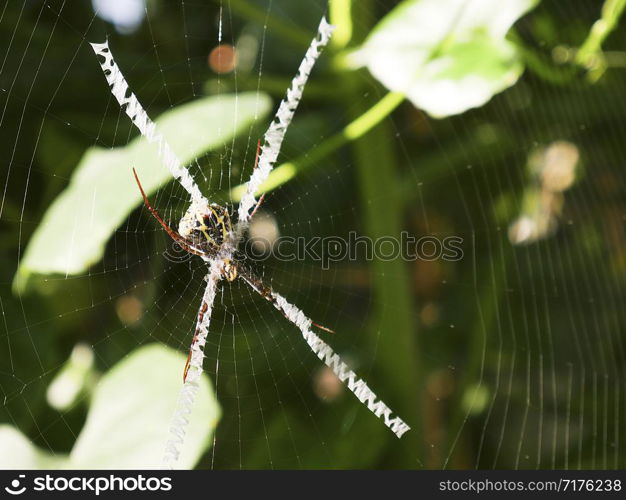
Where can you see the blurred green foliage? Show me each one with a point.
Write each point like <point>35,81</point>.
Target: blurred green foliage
<point>512,357</point>
<point>130,407</point>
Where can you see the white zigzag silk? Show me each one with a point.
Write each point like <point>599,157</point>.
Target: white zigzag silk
<point>275,134</point>
<point>129,103</point>
<point>187,396</point>
<point>360,389</point>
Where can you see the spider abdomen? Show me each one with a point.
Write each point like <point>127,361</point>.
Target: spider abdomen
<point>210,229</point>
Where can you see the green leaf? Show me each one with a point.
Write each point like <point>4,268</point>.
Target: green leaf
<point>102,192</point>
<point>129,419</point>
<point>17,452</point>
<point>446,56</point>
<point>131,411</point>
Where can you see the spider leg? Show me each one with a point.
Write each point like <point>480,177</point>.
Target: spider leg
<point>256,164</point>
<point>173,234</point>
<point>258,152</point>
<point>268,294</point>
<point>321,327</point>
<point>257,205</point>
<point>203,310</point>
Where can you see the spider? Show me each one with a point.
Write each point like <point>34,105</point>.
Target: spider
<point>206,233</point>
<point>206,230</point>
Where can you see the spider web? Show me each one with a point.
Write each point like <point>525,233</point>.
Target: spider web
<point>519,348</point>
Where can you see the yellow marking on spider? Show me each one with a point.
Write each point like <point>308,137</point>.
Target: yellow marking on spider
<point>222,220</point>
<point>204,230</point>
<point>230,270</point>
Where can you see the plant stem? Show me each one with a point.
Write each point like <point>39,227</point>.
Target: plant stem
<point>589,54</point>
<point>393,328</point>
<point>611,12</point>
<point>341,16</point>
<point>541,65</point>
